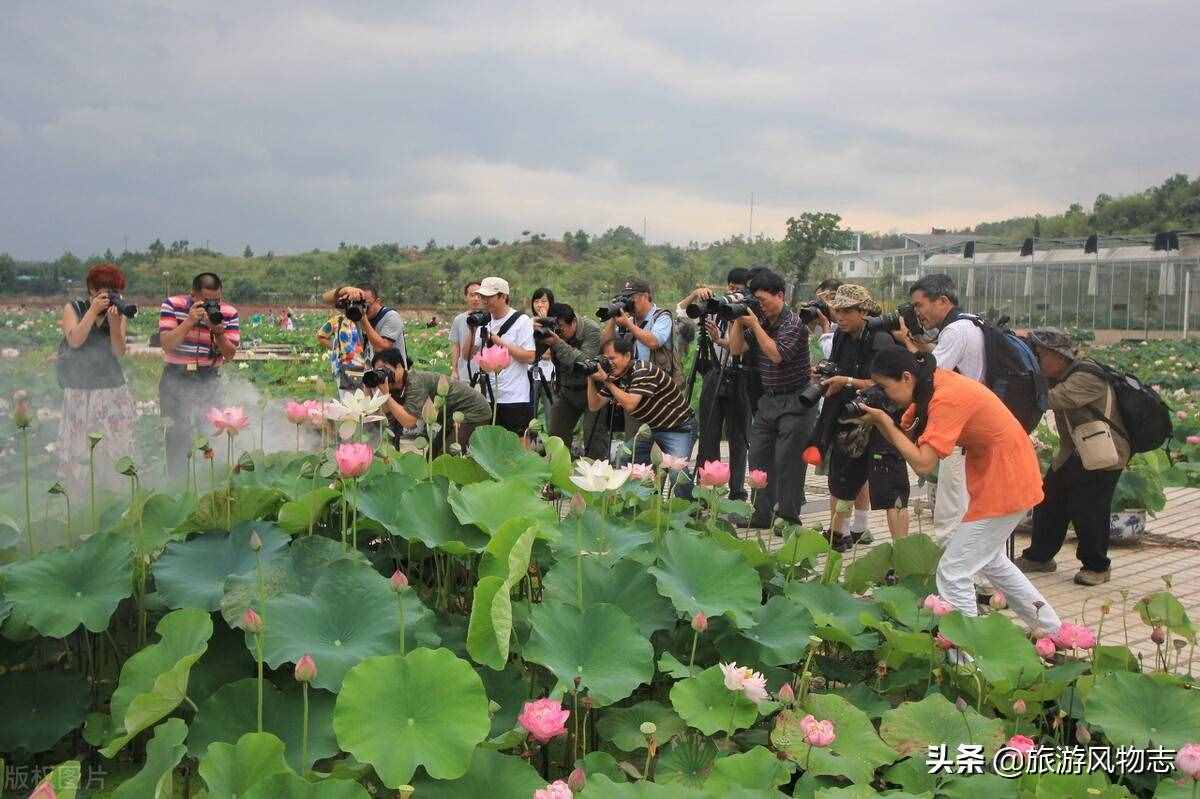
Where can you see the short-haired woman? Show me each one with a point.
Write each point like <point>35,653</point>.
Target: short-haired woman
<point>540,304</point>
<point>95,396</point>
<point>947,410</point>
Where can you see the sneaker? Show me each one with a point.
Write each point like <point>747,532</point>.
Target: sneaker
<point>845,542</point>
<point>1088,577</point>
<point>1026,565</point>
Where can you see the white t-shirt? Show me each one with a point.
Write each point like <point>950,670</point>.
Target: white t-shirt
<point>960,346</point>
<point>512,385</point>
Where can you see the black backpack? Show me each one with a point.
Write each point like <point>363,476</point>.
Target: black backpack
<point>1012,372</point>
<point>1147,418</point>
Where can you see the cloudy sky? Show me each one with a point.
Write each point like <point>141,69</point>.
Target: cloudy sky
<point>292,125</point>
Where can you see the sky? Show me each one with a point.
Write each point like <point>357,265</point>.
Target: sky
<point>295,125</point>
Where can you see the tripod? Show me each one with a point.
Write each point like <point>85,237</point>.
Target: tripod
<point>706,356</point>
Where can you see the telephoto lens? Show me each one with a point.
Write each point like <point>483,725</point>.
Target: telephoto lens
<point>373,378</point>
<point>873,397</point>
<point>126,309</point>
<point>478,319</point>
<point>813,392</point>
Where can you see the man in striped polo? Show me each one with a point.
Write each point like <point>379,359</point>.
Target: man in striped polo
<point>649,397</point>
<point>198,332</point>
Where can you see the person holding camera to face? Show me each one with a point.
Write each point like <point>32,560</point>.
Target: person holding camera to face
<point>724,401</point>
<point>574,345</point>
<point>409,390</point>
<point>460,333</point>
<point>500,325</point>
<point>95,396</point>
<point>858,456</point>
<point>198,333</point>
<point>782,423</point>
<point>382,328</point>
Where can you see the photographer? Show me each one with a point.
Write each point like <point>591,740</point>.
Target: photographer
<point>825,292</point>
<point>408,390</point>
<point>460,333</point>
<point>573,350</point>
<point>857,457</point>
<point>382,327</point>
<point>198,333</point>
<point>648,397</point>
<point>512,330</point>
<point>945,410</point>
<point>347,347</point>
<point>95,396</point>
<point>724,402</point>
<point>959,348</point>
<point>782,423</point>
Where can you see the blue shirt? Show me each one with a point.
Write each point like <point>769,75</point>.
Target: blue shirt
<point>661,328</point>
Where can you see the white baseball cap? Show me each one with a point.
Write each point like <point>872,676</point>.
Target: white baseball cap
<point>492,286</point>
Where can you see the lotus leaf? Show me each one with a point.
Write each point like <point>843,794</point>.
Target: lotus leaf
<point>833,606</point>
<point>503,456</point>
<point>163,753</point>
<point>192,574</point>
<point>601,647</point>
<point>705,703</point>
<point>64,781</point>
<point>801,548</point>
<point>38,708</point>
<point>491,774</point>
<point>55,592</point>
<point>302,513</point>
<point>604,539</point>
<point>781,629</point>
<point>231,770</point>
<point>699,576</point>
<point>687,761</point>
<point>854,754</point>
<point>903,604</point>
<point>1002,651</point>
<point>869,568</point>
<point>622,726</point>
<point>913,726</point>
<point>1162,608</point>
<point>421,513</point>
<point>489,505</point>
<point>155,680</point>
<point>915,555</point>
<point>458,470</point>
<point>624,584</point>
<point>289,786</point>
<point>757,769</point>
<point>351,613</point>
<point>426,708</point>
<point>249,504</point>
<point>510,690</point>
<point>1138,710</point>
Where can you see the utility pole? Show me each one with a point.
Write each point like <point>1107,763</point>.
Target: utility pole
<point>643,230</point>
<point>751,236</point>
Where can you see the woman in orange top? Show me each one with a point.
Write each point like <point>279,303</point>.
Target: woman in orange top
<point>945,410</point>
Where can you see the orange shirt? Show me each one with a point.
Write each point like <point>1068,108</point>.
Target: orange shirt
<point>1003,475</point>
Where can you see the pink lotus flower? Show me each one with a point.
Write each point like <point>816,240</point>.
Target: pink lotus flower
<point>252,622</point>
<point>700,622</point>
<point>544,719</point>
<point>44,791</point>
<point>316,414</point>
<point>757,479</point>
<point>493,359</point>
<point>1193,439</point>
<point>1181,415</point>
<point>1187,760</point>
<point>735,675</point>
<point>741,678</point>
<point>938,606</point>
<point>674,463</point>
<point>1022,743</point>
<point>713,474</point>
<point>1074,636</point>
<point>817,733</point>
<point>1045,647</point>
<point>639,472</point>
<point>353,460</point>
<point>555,790</point>
<point>943,642</point>
<point>1019,707</point>
<point>297,412</point>
<point>399,581</point>
<point>1158,635</point>
<point>998,601</point>
<point>787,693</point>
<point>229,421</point>
<point>306,669</point>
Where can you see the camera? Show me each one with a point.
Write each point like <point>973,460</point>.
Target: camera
<point>212,308</point>
<point>354,310</point>
<point>125,308</point>
<point>620,304</point>
<point>727,307</point>
<point>544,326</point>
<point>478,319</point>
<point>812,310</point>
<point>592,365</point>
<point>374,378</point>
<point>813,392</point>
<point>873,397</point>
<point>891,321</point>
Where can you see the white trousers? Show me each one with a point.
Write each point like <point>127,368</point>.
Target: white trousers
<point>951,501</point>
<point>979,547</point>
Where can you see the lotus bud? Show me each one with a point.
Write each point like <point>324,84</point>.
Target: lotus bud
<point>787,694</point>
<point>656,456</point>
<point>700,622</point>
<point>535,426</point>
<point>209,454</point>
<point>94,439</point>
<point>399,581</point>
<point>998,601</point>
<point>252,622</point>
<point>255,542</point>
<point>245,463</point>
<point>443,386</point>
<point>421,443</point>
<point>577,504</point>
<point>458,417</point>
<point>405,791</point>
<point>1158,635</point>
<point>961,705</point>
<point>1019,707</point>
<point>22,416</point>
<point>1083,734</point>
<point>814,640</point>
<point>57,488</point>
<point>306,669</point>
<point>429,412</point>
<point>644,431</point>
<point>576,780</point>
<point>199,442</point>
<point>493,707</point>
<point>648,728</point>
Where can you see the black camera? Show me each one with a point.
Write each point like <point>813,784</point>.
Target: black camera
<point>544,326</point>
<point>873,397</point>
<point>374,378</point>
<point>592,365</point>
<point>813,392</point>
<point>620,304</point>
<point>125,308</point>
<point>812,310</point>
<point>478,319</point>
<point>891,321</point>
<point>727,307</point>
<point>354,310</point>
<point>212,308</point>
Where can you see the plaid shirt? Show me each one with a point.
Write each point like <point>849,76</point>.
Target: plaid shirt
<point>791,339</point>
<point>197,346</point>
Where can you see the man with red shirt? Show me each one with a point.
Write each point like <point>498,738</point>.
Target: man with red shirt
<point>198,332</point>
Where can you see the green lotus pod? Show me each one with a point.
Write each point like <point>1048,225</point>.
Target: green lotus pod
<point>458,417</point>
<point>57,488</point>
<point>94,439</point>
<point>125,466</point>
<point>245,463</point>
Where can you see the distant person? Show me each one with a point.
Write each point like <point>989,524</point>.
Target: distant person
<point>95,396</point>
<point>460,334</point>
<point>539,305</point>
<point>286,322</point>
<point>198,332</point>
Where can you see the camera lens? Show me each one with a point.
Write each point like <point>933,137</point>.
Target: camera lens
<point>811,394</point>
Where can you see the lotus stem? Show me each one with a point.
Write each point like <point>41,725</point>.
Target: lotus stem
<point>25,473</point>
<point>733,716</point>
<point>1124,622</point>
<point>403,627</point>
<point>92,482</point>
<point>229,490</point>
<point>354,511</point>
<point>297,438</point>
<point>258,653</point>
<point>67,499</point>
<point>579,562</point>
<point>575,738</point>
<point>304,733</point>
<point>695,640</point>
<point>212,484</point>
<point>966,724</point>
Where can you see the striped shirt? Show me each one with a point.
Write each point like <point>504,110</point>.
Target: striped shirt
<point>662,406</point>
<point>197,346</point>
<point>791,339</point>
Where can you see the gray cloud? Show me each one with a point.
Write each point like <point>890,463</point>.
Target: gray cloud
<point>296,125</point>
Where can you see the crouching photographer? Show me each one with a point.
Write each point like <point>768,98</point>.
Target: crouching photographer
<point>409,390</point>
<point>858,456</point>
<point>574,347</point>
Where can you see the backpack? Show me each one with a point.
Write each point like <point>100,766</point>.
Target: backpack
<point>666,357</point>
<point>1012,372</point>
<point>1137,403</point>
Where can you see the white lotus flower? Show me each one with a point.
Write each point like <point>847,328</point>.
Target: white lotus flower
<point>598,475</point>
<point>354,409</point>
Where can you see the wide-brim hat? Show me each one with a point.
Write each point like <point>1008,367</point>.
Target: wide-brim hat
<point>1055,340</point>
<point>852,295</point>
